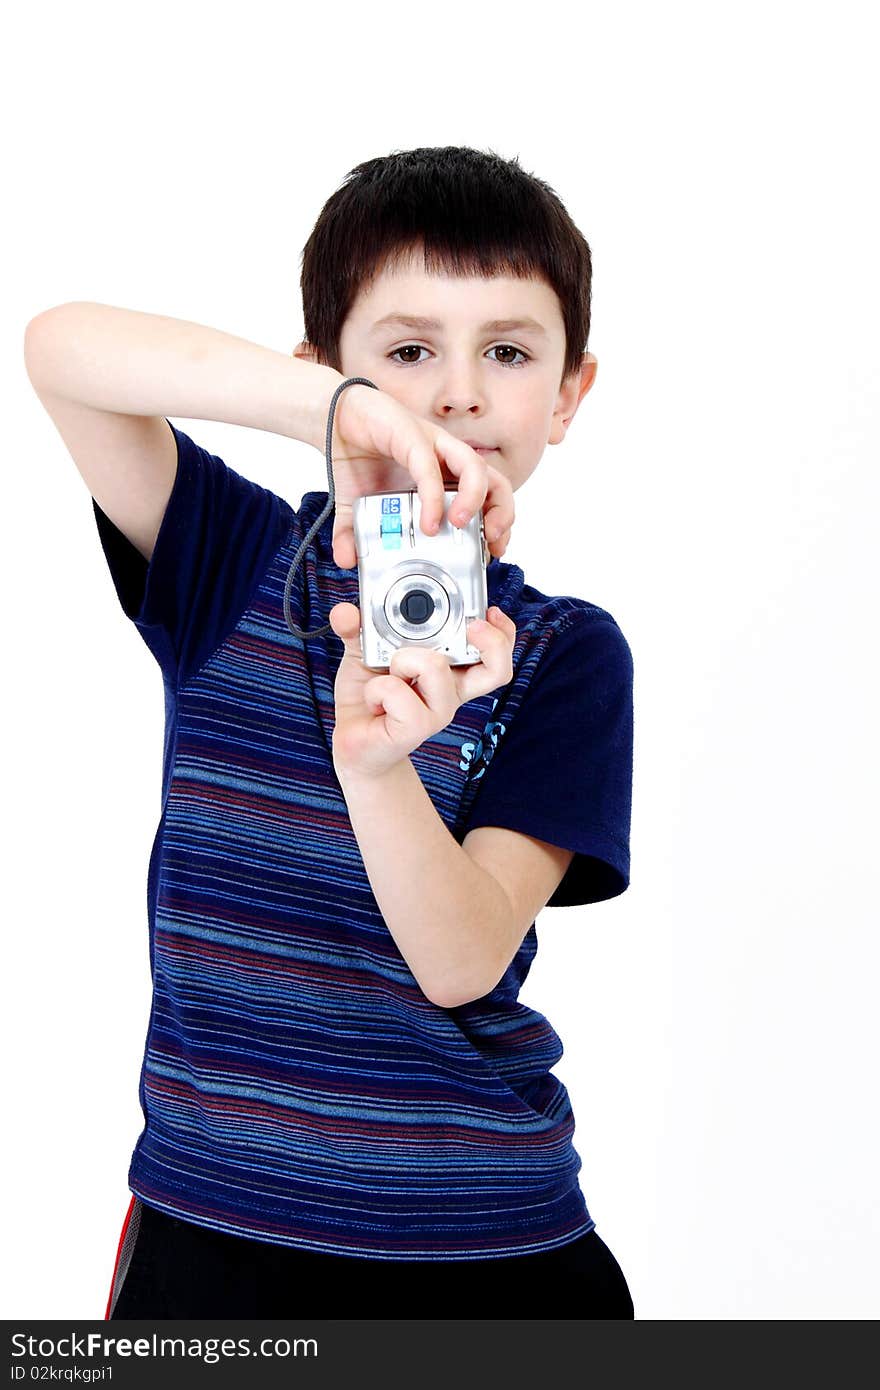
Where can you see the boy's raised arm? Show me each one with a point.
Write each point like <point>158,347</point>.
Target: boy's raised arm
<point>107,376</point>
<point>133,363</point>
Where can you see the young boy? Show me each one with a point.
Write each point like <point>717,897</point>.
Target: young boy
<point>347,1112</point>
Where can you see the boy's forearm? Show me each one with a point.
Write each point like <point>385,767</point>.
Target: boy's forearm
<point>136,363</point>
<point>449,917</point>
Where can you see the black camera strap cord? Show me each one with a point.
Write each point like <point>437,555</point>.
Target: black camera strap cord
<point>331,504</point>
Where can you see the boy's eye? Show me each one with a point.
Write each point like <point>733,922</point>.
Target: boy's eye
<point>499,347</point>
<point>508,347</point>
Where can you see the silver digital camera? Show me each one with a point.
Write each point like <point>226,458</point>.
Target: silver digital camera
<point>417,590</point>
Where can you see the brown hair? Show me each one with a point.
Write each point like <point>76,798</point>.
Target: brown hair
<point>471,212</point>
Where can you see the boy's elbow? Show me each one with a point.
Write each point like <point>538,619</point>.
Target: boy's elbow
<point>445,999</point>
<point>454,994</point>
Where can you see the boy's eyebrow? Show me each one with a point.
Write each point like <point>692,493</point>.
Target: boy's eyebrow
<point>493,326</point>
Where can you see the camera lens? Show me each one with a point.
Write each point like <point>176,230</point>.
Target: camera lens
<point>417,606</point>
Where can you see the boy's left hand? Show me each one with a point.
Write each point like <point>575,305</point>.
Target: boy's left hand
<point>381,718</point>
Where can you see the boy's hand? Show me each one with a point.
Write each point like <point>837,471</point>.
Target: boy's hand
<point>378,444</point>
<point>381,718</point>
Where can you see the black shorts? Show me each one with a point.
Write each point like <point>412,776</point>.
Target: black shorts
<point>168,1268</point>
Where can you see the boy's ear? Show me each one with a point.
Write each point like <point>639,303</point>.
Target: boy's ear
<point>305,351</point>
<point>571,393</point>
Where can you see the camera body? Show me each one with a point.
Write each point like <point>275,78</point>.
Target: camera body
<point>417,590</point>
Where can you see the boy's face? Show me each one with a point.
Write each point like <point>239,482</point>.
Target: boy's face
<point>454,373</point>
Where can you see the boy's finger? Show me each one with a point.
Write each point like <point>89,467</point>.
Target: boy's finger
<point>470,469</point>
<point>342,553</point>
<point>494,640</point>
<point>344,546</point>
<point>496,629</point>
<point>345,620</point>
<point>425,669</point>
<point>421,462</point>
<point>499,513</point>
<point>494,526</point>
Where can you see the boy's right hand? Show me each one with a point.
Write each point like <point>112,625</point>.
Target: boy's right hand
<point>378,445</point>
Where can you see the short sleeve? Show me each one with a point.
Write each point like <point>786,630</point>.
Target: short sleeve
<point>562,769</point>
<point>217,538</point>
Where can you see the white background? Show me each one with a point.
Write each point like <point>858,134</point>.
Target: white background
<point>717,493</point>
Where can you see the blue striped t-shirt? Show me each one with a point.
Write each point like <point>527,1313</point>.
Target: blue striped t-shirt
<point>298,1087</point>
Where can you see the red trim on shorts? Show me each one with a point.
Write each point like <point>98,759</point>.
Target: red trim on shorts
<point>118,1253</point>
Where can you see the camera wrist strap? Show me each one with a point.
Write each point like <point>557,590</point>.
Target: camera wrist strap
<point>331,504</point>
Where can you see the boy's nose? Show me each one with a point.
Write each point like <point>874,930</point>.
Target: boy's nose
<point>459,397</point>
